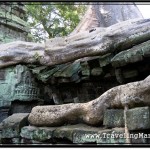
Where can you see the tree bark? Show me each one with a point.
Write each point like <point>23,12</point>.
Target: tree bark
<point>105,14</point>
<point>115,38</point>
<point>92,112</point>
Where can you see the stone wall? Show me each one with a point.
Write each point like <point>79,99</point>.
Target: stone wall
<point>18,84</point>
<point>13,23</point>
<point>16,130</point>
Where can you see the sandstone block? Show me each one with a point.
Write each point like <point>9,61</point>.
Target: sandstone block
<point>105,60</point>
<point>138,118</point>
<point>37,133</point>
<point>113,118</point>
<point>99,136</point>
<point>138,137</point>
<point>96,71</point>
<point>12,125</point>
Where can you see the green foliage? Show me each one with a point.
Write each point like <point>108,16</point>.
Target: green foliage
<point>49,19</point>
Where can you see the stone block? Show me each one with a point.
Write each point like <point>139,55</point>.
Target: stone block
<point>85,135</point>
<point>130,73</point>
<point>138,137</point>
<point>0,137</point>
<point>12,125</point>
<point>105,60</point>
<point>85,68</point>
<point>3,113</point>
<point>96,71</point>
<point>99,136</point>
<point>70,131</point>
<point>37,133</point>
<point>117,136</point>
<point>138,118</point>
<point>15,140</point>
<point>135,54</point>
<point>119,75</point>
<point>113,118</point>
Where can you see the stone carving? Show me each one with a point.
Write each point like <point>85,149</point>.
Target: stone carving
<point>91,112</point>
<point>17,83</point>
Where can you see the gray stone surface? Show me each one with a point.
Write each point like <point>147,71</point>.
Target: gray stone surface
<point>130,73</point>
<point>138,118</point>
<point>139,137</point>
<point>27,141</point>
<point>105,60</point>
<point>13,24</point>
<point>99,136</point>
<point>113,118</point>
<point>85,68</point>
<point>16,141</point>
<point>37,133</point>
<point>17,83</point>
<point>96,71</point>
<point>0,134</point>
<point>12,125</point>
<point>77,134</point>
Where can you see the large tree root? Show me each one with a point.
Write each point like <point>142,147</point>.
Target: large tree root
<point>92,112</point>
<point>101,41</point>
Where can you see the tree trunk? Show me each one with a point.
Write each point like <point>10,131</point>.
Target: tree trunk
<point>105,14</point>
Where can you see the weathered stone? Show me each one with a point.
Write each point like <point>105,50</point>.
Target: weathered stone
<point>119,75</point>
<point>17,83</point>
<point>28,141</point>
<point>113,118</point>
<point>85,69</point>
<point>61,73</point>
<point>138,118</point>
<point>37,133</point>
<point>68,70</point>
<point>0,138</point>
<point>3,113</point>
<point>96,71</point>
<point>105,60</point>
<point>12,125</point>
<point>16,141</point>
<point>12,23</point>
<point>68,132</point>
<point>86,135</point>
<point>130,73</point>
<point>99,136</point>
<point>138,137</point>
<point>132,55</point>
<point>117,136</point>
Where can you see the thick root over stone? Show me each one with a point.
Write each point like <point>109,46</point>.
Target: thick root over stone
<point>92,112</point>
